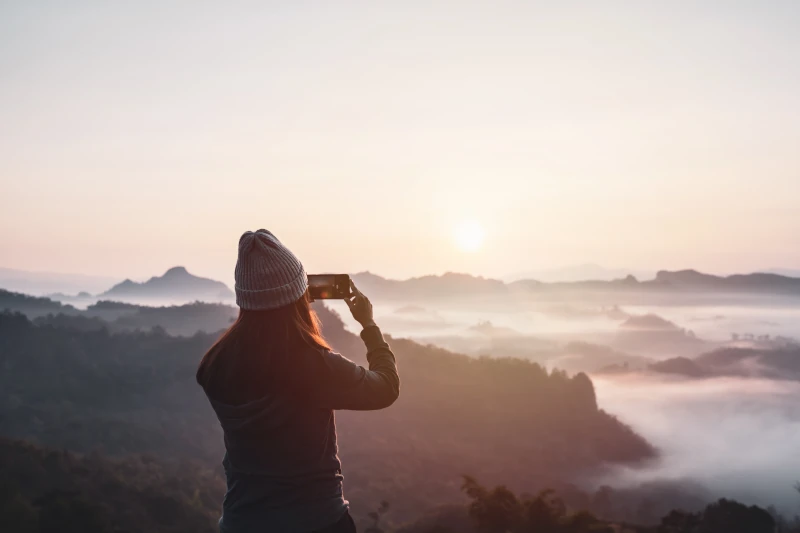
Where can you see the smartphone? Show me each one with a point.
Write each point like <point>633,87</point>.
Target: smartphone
<point>328,286</point>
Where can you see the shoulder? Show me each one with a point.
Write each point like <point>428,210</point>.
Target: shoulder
<point>318,368</point>
<point>336,360</point>
<point>340,369</point>
<point>320,359</point>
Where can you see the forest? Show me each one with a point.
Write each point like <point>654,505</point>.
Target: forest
<point>134,392</point>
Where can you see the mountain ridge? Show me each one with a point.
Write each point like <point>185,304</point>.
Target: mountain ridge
<point>451,283</point>
<point>178,283</point>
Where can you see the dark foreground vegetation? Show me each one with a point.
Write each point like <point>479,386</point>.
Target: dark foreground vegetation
<point>499,510</point>
<point>55,491</point>
<point>48,491</point>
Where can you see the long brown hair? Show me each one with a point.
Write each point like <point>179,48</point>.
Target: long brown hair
<point>258,342</point>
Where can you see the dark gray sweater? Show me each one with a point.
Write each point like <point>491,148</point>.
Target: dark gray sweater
<point>281,461</point>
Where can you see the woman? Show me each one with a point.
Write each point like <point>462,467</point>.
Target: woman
<point>274,383</point>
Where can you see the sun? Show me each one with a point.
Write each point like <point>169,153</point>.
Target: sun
<point>469,235</point>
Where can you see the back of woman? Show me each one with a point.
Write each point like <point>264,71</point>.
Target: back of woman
<point>274,383</point>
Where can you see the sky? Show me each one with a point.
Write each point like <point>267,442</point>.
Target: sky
<point>404,138</point>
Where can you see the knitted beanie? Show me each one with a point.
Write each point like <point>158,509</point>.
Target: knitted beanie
<point>268,275</point>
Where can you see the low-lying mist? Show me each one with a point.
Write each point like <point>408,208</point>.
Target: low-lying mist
<point>739,437</point>
<point>736,436</point>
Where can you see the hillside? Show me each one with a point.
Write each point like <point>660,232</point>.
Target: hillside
<point>780,362</point>
<point>505,420</point>
<point>33,306</point>
<point>652,334</point>
<point>176,284</point>
<point>45,490</point>
<point>183,320</point>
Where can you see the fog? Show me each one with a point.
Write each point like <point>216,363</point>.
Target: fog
<point>737,437</point>
<point>715,320</point>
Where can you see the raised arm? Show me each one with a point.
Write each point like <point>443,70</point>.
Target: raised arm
<point>349,386</point>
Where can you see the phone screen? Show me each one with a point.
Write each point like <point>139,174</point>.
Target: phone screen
<point>328,286</point>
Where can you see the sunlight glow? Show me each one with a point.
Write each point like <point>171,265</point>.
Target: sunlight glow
<point>469,235</point>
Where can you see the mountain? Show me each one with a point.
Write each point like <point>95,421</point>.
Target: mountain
<point>453,285</point>
<point>176,284</point>
<point>185,320</point>
<point>788,272</point>
<point>445,285</point>
<point>774,358</point>
<point>781,362</point>
<point>697,281</point>
<point>651,334</point>
<point>33,306</point>
<point>581,272</point>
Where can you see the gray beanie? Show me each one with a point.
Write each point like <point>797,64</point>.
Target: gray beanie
<point>268,275</point>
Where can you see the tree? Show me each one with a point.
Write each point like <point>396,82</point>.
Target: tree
<point>495,511</point>
<point>680,522</point>
<point>728,516</point>
<point>723,516</point>
<point>499,511</point>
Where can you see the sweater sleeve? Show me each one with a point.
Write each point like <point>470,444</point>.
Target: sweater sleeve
<point>350,386</point>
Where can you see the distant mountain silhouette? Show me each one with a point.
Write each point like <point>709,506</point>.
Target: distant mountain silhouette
<point>176,283</point>
<point>788,272</point>
<point>770,358</point>
<point>447,284</point>
<point>776,363</point>
<point>652,334</point>
<point>459,285</point>
<point>648,323</point>
<point>682,366</point>
<point>33,306</point>
<point>756,282</point>
<point>580,272</point>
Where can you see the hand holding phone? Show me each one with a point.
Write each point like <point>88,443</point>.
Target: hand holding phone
<point>360,307</point>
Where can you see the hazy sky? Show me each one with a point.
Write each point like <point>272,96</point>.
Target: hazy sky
<point>139,135</point>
